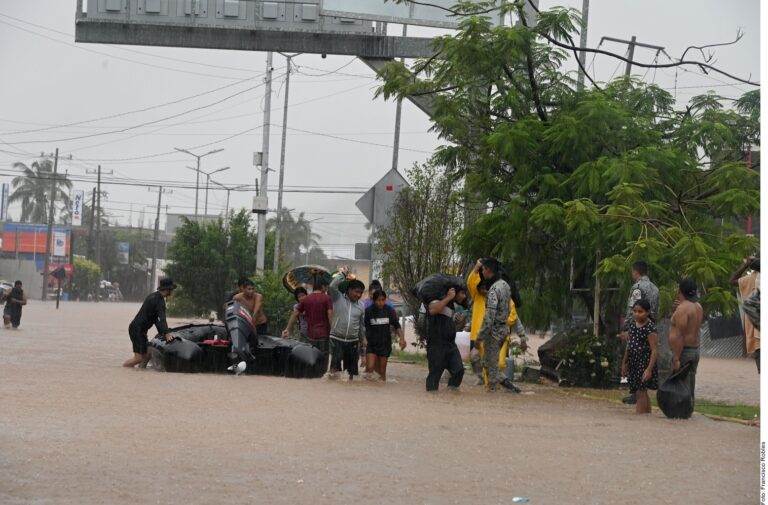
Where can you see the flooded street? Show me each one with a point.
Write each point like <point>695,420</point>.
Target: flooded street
<point>77,428</point>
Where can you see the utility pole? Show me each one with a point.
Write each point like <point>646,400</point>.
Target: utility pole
<point>197,181</point>
<point>583,42</point>
<point>98,171</point>
<point>49,236</point>
<point>90,230</point>
<point>156,237</point>
<point>278,229</point>
<point>631,53</point>
<point>262,231</point>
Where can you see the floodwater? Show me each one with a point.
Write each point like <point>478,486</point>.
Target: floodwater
<point>77,428</point>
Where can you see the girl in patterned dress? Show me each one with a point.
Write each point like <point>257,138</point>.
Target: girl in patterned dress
<point>639,365</point>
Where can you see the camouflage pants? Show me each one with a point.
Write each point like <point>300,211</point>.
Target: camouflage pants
<point>476,360</point>
<point>491,347</point>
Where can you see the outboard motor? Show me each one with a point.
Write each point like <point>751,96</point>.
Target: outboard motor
<point>242,332</point>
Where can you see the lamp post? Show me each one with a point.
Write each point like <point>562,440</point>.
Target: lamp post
<point>207,181</point>
<point>228,189</point>
<point>197,156</point>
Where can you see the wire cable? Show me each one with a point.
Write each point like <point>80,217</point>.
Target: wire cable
<point>173,116</point>
<point>71,36</point>
<point>68,44</point>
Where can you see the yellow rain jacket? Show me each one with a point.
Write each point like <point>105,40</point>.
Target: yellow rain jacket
<point>478,313</point>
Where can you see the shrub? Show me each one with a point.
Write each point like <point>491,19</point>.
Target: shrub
<point>589,361</point>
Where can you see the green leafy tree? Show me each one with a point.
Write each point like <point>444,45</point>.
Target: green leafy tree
<point>86,275</point>
<point>421,238</point>
<point>594,178</point>
<point>32,190</point>
<point>207,258</point>
<point>278,302</point>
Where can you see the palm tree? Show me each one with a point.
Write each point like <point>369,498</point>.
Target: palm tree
<point>33,187</point>
<point>296,236</point>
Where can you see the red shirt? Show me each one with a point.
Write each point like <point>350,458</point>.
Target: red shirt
<point>315,308</point>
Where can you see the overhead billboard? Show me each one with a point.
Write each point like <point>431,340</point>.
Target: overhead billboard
<point>435,13</point>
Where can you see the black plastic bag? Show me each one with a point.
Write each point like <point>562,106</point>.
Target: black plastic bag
<point>674,396</point>
<point>436,286</point>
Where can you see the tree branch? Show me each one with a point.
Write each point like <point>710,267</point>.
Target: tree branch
<point>680,62</point>
<point>739,36</point>
<point>531,78</point>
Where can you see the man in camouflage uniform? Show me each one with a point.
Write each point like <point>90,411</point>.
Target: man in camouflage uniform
<point>642,288</point>
<point>494,329</point>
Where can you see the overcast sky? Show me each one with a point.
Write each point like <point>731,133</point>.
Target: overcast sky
<point>46,79</point>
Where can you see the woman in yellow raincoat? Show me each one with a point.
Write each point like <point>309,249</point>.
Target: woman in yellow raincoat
<point>477,292</point>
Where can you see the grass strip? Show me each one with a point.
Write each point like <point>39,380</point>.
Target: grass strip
<point>714,409</point>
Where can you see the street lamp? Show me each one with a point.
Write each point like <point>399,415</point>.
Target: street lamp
<point>228,188</point>
<point>197,182</point>
<point>207,181</point>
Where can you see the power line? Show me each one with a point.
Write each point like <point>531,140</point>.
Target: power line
<point>336,137</point>
<point>143,53</point>
<point>324,74</point>
<point>222,140</point>
<point>118,181</point>
<point>135,111</point>
<point>173,116</point>
<point>186,122</point>
<point>75,46</point>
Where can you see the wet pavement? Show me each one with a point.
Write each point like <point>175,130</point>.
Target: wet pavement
<point>77,428</point>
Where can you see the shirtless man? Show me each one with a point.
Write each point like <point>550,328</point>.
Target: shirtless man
<point>253,301</point>
<point>684,329</point>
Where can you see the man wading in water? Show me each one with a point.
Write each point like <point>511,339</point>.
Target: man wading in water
<point>17,298</point>
<point>152,312</point>
<point>347,326</point>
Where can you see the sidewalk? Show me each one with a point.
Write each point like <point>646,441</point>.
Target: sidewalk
<point>727,380</point>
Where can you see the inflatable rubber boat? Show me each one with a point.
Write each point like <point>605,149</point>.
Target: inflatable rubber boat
<point>235,345</point>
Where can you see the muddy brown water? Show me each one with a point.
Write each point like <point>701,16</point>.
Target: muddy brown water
<point>76,428</point>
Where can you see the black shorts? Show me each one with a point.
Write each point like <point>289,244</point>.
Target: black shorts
<point>139,340</point>
<point>346,352</point>
<point>319,343</point>
<point>380,346</point>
